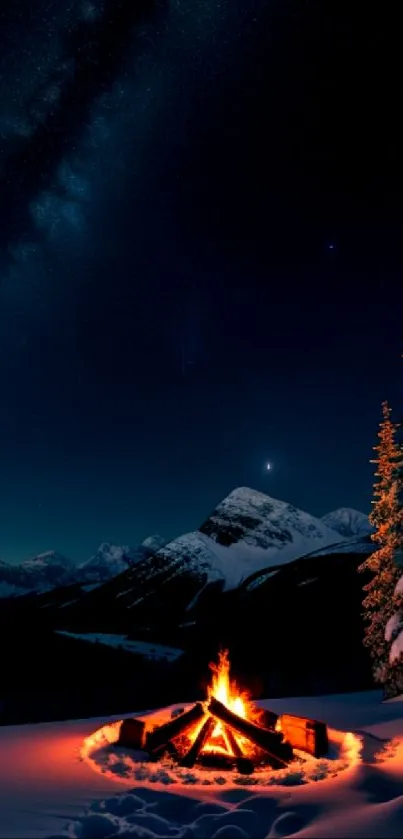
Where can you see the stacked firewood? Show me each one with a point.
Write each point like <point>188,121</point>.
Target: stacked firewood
<point>271,747</point>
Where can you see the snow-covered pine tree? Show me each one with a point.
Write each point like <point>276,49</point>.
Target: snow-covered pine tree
<point>387,518</point>
<point>394,626</point>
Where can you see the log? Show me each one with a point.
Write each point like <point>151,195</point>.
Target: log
<point>161,735</point>
<point>271,742</point>
<point>244,765</point>
<point>282,757</point>
<point>261,737</point>
<point>236,749</point>
<point>306,734</point>
<point>189,759</point>
<point>131,733</point>
<point>268,719</point>
<point>216,760</point>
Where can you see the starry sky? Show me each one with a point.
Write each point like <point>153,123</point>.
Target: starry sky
<point>200,261</point>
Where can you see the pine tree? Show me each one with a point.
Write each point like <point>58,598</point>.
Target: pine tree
<point>387,518</point>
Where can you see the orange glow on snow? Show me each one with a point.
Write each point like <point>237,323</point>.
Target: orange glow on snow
<point>352,748</point>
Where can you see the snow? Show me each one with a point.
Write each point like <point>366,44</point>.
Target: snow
<point>392,625</point>
<point>111,560</point>
<point>348,522</point>
<point>153,543</point>
<point>151,651</point>
<point>197,550</point>
<point>47,790</point>
<point>37,574</point>
<point>260,580</point>
<point>399,586</point>
<point>108,561</point>
<point>46,560</point>
<point>397,648</point>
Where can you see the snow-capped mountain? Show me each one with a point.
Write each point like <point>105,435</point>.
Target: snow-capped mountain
<point>39,573</point>
<point>348,522</point>
<point>111,560</point>
<point>153,543</point>
<point>246,532</point>
<point>49,566</point>
<point>249,530</point>
<point>108,561</point>
<point>50,570</point>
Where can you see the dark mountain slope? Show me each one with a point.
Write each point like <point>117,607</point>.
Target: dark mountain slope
<point>292,630</point>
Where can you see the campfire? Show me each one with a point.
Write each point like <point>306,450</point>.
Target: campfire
<point>227,731</point>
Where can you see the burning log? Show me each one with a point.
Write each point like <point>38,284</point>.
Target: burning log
<point>305,734</point>
<point>243,764</point>
<point>189,759</point>
<point>235,747</point>
<point>261,737</point>
<point>131,733</point>
<point>179,725</point>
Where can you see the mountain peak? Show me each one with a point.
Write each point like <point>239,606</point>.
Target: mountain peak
<point>46,560</point>
<point>245,495</point>
<point>153,543</point>
<point>109,560</point>
<point>109,550</point>
<point>249,530</point>
<point>348,522</point>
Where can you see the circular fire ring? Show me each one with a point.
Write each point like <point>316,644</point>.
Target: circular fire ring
<point>226,739</point>
<point>102,751</point>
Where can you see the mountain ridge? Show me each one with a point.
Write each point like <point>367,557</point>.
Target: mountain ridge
<point>51,569</point>
<point>247,531</point>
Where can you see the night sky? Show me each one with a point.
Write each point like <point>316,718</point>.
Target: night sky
<point>200,261</point>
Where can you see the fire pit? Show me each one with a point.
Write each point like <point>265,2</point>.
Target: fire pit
<point>227,739</point>
<point>225,732</point>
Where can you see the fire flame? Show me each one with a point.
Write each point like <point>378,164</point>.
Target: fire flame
<point>226,691</point>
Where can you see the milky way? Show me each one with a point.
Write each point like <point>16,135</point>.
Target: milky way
<point>172,173</point>
<point>50,123</point>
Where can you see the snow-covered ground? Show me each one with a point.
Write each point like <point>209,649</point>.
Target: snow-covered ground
<point>46,787</point>
<point>153,652</point>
